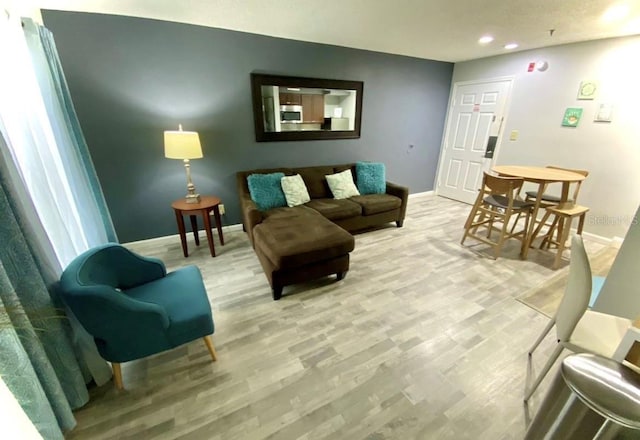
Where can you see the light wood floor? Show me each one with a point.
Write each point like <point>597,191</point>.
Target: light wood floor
<point>423,339</point>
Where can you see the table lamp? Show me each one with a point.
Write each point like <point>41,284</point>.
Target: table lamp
<point>184,145</point>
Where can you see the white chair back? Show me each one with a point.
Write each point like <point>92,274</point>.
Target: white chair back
<point>577,293</point>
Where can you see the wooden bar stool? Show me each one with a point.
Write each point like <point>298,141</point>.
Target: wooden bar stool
<point>560,226</point>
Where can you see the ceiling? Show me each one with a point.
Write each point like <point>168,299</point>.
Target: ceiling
<point>445,30</point>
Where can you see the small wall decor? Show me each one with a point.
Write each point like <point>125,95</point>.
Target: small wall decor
<point>587,89</point>
<point>571,117</point>
<point>603,114</point>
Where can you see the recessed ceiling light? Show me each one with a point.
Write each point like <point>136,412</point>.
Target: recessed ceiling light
<point>486,39</point>
<point>615,13</point>
<point>510,46</point>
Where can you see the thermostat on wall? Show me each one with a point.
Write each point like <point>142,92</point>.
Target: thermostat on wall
<point>603,114</point>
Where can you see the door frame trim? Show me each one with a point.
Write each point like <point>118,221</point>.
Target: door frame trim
<point>454,88</point>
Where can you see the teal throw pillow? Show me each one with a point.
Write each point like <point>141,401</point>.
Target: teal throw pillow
<point>371,178</point>
<point>266,191</point>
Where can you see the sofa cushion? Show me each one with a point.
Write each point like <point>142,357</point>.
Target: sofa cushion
<point>371,178</point>
<point>315,181</point>
<point>298,241</point>
<point>376,203</point>
<point>335,209</point>
<point>266,191</point>
<point>341,185</point>
<point>296,211</point>
<point>294,190</point>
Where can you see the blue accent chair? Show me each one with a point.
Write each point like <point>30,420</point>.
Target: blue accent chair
<point>132,307</point>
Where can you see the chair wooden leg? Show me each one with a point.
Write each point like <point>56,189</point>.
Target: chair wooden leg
<point>545,370</point>
<point>543,221</point>
<point>562,222</point>
<point>117,375</point>
<point>469,221</point>
<point>566,227</point>
<point>212,351</point>
<point>503,234</point>
<point>481,220</point>
<point>581,223</point>
<point>515,223</point>
<point>527,219</point>
<point>492,216</point>
<point>548,239</point>
<point>526,199</point>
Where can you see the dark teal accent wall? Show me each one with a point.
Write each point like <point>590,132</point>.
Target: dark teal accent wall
<point>131,79</point>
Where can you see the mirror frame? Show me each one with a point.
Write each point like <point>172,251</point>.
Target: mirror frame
<point>258,80</point>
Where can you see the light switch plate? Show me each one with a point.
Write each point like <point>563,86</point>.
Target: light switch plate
<point>514,135</point>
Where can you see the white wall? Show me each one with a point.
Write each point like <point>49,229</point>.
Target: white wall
<point>620,294</point>
<point>15,423</point>
<point>21,8</point>
<point>610,151</point>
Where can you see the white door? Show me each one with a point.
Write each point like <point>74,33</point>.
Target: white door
<point>476,113</point>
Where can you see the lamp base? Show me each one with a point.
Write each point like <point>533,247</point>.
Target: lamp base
<point>192,198</point>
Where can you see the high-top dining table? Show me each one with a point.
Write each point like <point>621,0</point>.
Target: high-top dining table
<point>543,177</point>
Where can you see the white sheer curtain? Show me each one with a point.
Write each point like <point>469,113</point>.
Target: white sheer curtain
<point>41,152</point>
<point>29,133</point>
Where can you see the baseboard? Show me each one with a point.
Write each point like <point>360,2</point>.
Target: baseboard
<point>173,237</point>
<point>421,194</point>
<point>232,228</point>
<point>615,241</point>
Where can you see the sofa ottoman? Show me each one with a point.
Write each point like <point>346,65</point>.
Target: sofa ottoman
<point>300,246</point>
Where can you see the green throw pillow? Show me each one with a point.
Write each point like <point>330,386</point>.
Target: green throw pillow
<point>371,178</point>
<point>266,191</point>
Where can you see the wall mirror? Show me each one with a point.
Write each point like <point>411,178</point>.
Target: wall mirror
<point>289,108</point>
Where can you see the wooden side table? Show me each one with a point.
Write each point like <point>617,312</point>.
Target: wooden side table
<point>206,205</point>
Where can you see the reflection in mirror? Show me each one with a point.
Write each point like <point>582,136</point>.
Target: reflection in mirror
<point>293,108</point>
<point>299,109</point>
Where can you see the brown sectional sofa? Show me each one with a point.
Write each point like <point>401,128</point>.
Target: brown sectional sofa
<point>313,240</point>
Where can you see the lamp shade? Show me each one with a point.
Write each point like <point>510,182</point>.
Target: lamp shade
<point>182,145</point>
